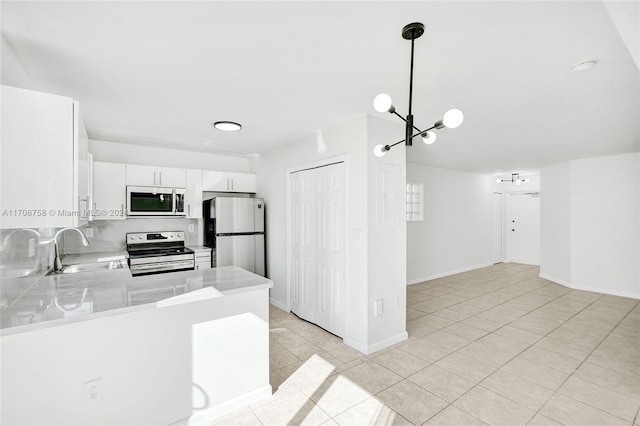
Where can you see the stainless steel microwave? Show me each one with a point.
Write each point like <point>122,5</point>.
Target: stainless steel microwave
<point>155,201</point>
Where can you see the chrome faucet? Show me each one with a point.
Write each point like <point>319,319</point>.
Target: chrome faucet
<point>57,263</point>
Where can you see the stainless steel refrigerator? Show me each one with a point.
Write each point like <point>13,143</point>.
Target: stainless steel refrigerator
<point>234,227</point>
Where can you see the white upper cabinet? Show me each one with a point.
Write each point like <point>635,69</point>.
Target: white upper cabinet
<point>228,182</point>
<point>140,175</point>
<point>82,164</point>
<point>109,191</point>
<point>193,194</point>
<point>172,177</point>
<point>45,161</point>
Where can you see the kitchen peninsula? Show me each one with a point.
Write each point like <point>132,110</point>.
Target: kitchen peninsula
<point>106,348</point>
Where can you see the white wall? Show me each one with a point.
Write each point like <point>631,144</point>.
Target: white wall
<point>157,365</point>
<point>455,234</point>
<point>13,73</point>
<point>555,224</point>
<point>375,255</point>
<point>387,235</point>
<point>117,152</point>
<point>605,233</point>
<point>604,224</point>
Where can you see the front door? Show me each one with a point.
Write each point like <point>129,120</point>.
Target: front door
<point>524,227</point>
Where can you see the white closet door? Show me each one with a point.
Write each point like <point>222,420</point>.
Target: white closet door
<point>303,247</point>
<point>330,257</point>
<point>318,246</point>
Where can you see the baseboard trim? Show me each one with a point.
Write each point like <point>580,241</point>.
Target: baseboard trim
<point>388,342</point>
<point>446,274</point>
<point>361,347</point>
<point>591,289</point>
<point>376,346</point>
<point>556,280</point>
<point>220,410</point>
<point>279,305</point>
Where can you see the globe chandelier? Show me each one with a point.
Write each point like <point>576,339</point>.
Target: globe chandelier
<point>382,103</point>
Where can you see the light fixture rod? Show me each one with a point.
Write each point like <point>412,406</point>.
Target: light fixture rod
<point>411,77</point>
<point>405,120</point>
<point>412,136</point>
<point>382,103</point>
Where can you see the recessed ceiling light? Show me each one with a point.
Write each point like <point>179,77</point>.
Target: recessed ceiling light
<point>584,65</point>
<point>227,126</point>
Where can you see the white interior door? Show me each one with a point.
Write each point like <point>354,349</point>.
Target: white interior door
<point>318,252</point>
<point>497,226</point>
<point>524,228</point>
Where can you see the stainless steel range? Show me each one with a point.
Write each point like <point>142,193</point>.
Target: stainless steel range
<point>156,252</point>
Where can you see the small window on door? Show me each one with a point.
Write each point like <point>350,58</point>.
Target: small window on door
<point>415,202</point>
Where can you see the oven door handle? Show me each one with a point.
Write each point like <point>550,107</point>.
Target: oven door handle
<point>163,264</point>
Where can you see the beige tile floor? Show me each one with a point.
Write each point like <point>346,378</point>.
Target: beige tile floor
<point>497,346</point>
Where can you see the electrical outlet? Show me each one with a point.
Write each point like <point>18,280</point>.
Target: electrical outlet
<point>88,232</point>
<point>93,390</point>
<point>191,227</point>
<point>377,308</point>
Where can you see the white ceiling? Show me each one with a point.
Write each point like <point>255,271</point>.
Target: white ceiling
<point>159,73</point>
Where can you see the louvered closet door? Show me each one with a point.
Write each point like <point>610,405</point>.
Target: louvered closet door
<point>318,255</point>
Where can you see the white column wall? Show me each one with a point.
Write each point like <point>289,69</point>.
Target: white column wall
<point>387,237</point>
<point>455,235</point>
<point>555,224</point>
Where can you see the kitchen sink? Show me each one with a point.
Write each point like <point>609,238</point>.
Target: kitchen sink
<point>91,267</point>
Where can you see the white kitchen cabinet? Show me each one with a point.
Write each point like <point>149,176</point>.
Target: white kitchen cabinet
<point>109,191</point>
<point>45,161</point>
<point>202,257</point>
<point>193,194</point>
<point>169,177</point>
<point>228,182</point>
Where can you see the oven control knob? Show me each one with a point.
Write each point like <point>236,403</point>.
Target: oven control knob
<point>139,237</point>
<point>171,235</point>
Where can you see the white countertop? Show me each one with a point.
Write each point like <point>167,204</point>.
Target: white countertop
<point>60,299</point>
<point>199,249</point>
